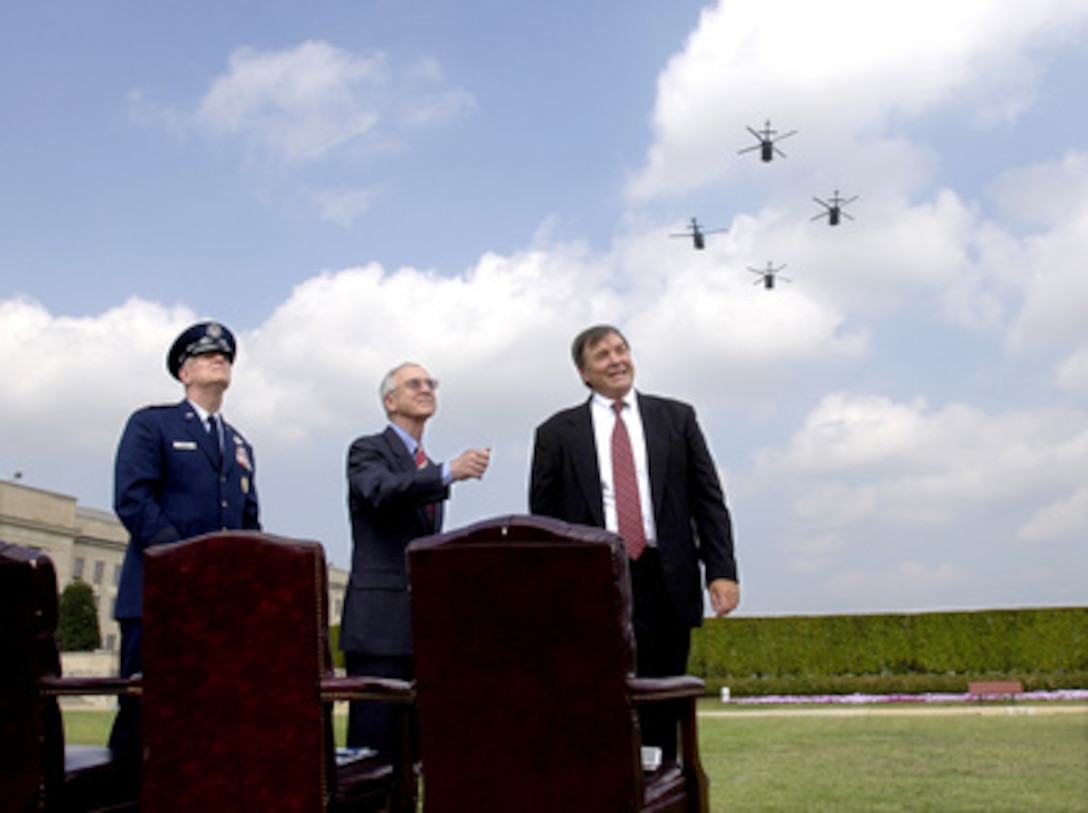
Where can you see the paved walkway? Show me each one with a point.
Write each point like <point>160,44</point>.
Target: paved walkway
<point>878,710</point>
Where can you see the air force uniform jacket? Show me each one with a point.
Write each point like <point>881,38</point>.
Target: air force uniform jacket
<point>172,483</point>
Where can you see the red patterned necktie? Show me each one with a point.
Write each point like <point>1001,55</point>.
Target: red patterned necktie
<point>625,484</point>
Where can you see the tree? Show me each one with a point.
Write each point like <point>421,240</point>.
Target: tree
<point>77,622</point>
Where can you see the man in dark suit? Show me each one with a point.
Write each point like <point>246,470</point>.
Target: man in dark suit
<point>395,494</point>
<point>657,487</point>
<point>180,471</point>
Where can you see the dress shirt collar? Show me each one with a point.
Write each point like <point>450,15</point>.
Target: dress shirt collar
<point>630,401</point>
<point>410,443</point>
<point>200,413</point>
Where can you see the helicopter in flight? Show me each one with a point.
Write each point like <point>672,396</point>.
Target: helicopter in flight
<point>834,209</point>
<point>697,234</point>
<point>768,275</point>
<point>768,142</point>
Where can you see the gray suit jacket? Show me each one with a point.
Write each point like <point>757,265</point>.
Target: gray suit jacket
<point>388,498</point>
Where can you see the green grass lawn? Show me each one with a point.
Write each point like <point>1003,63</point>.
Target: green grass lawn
<point>912,763</point>
<point>968,762</point>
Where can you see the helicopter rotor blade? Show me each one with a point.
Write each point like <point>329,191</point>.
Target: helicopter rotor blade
<point>749,149</point>
<point>786,135</point>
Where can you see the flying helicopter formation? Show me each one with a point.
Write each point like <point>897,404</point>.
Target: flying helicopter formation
<point>768,275</point>
<point>768,142</point>
<point>697,234</point>
<point>833,208</point>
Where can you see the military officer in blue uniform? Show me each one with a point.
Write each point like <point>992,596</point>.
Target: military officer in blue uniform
<point>181,471</point>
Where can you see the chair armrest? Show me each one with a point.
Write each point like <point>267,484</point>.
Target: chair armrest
<point>401,693</point>
<point>687,688</point>
<point>52,686</point>
<point>352,687</point>
<point>651,690</point>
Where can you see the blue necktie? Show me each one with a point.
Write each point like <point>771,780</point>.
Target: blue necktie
<point>217,441</point>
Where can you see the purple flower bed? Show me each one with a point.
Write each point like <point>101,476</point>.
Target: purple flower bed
<point>930,697</point>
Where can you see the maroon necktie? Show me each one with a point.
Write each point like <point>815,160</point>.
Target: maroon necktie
<point>628,505</point>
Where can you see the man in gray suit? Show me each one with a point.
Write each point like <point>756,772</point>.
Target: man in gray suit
<point>395,494</point>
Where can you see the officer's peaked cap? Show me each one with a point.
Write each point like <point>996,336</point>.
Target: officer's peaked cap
<point>201,338</point>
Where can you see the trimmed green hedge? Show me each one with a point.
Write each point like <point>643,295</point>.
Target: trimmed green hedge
<point>892,650</point>
<point>884,654</point>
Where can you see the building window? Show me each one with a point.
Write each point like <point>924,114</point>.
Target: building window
<point>98,568</point>
<point>77,567</point>
<point>111,639</point>
<point>116,575</point>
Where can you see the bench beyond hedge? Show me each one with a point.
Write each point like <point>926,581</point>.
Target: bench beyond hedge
<point>995,689</point>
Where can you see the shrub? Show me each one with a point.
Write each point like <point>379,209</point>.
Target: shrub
<point>77,620</point>
<point>911,652</point>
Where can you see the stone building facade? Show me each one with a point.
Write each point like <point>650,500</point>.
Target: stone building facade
<point>88,544</point>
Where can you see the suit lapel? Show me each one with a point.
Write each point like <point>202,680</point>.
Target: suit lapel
<point>199,432</point>
<point>655,433</point>
<point>405,462</point>
<point>586,470</point>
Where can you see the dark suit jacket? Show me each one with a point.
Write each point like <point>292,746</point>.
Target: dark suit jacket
<point>388,498</point>
<point>693,523</point>
<point>167,488</point>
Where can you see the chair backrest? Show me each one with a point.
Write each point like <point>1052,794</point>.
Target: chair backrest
<point>234,646</point>
<point>31,731</point>
<point>523,645</point>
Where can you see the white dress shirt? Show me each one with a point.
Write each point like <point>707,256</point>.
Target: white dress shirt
<point>604,420</point>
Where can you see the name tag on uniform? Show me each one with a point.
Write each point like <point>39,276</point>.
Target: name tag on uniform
<point>185,444</point>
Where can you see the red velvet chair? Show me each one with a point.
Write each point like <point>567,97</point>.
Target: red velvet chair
<point>238,684</point>
<point>37,770</point>
<point>524,675</point>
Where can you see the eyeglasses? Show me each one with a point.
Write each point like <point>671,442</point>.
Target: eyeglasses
<point>416,384</point>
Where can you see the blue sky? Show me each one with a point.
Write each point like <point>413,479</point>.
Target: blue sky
<point>900,427</point>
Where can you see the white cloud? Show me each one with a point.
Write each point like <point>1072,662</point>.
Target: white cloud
<point>1072,374</point>
<point>869,459</point>
<point>343,206</point>
<point>1043,193</point>
<point>1053,280</point>
<point>297,104</point>
<point>1061,521</point>
<point>426,100</point>
<point>302,104</point>
<point>843,72</point>
<point>70,383</point>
